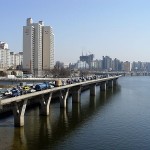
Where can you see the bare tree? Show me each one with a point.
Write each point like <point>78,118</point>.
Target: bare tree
<point>60,72</point>
<point>2,73</point>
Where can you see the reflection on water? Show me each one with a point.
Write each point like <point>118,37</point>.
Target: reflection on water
<point>46,132</point>
<point>19,140</point>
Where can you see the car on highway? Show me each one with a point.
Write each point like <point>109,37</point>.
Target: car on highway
<point>26,89</point>
<point>15,92</point>
<point>8,93</point>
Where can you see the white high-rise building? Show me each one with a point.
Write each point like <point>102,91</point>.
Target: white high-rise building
<point>3,45</point>
<point>48,48</point>
<point>20,58</point>
<point>12,59</point>
<point>4,56</point>
<point>38,48</point>
<point>16,60</point>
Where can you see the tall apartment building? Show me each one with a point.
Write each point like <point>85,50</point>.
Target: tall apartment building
<point>48,48</point>
<point>38,48</point>
<point>88,59</point>
<point>3,45</point>
<point>107,63</point>
<point>12,59</point>
<point>4,56</point>
<point>126,66</point>
<point>20,55</point>
<point>16,60</point>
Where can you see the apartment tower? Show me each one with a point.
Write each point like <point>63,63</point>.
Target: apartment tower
<point>38,48</point>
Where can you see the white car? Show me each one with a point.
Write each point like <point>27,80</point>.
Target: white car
<point>32,90</point>
<point>8,92</point>
<point>51,86</point>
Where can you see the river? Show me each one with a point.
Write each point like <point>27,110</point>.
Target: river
<point>118,119</point>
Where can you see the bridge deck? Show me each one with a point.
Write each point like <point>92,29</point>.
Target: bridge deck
<point>30,95</point>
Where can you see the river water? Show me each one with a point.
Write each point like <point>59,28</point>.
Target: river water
<point>118,119</point>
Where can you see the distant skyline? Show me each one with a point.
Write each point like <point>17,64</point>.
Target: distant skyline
<point>116,28</point>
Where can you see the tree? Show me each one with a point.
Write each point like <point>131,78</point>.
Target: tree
<point>13,73</point>
<point>2,73</point>
<point>60,72</point>
<point>84,72</point>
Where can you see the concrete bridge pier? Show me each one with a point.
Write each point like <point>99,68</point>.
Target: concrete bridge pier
<point>76,92</point>
<point>93,101</point>
<point>115,82</point>
<point>45,103</point>
<point>93,89</point>
<point>103,86</point>
<point>63,97</point>
<point>76,111</point>
<point>110,84</point>
<point>18,112</point>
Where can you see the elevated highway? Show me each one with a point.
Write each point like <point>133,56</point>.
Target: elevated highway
<point>44,97</point>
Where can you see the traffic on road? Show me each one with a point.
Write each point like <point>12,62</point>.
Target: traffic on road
<point>30,88</point>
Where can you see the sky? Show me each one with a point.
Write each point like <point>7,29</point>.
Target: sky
<point>116,28</point>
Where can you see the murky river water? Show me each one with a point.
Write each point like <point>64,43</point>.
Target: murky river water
<point>117,119</point>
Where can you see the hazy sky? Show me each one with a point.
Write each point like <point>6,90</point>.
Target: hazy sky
<point>117,28</point>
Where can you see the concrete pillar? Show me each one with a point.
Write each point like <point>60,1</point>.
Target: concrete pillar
<point>45,103</point>
<point>93,89</point>
<point>63,97</point>
<point>115,82</point>
<point>76,111</point>
<point>103,86</point>
<point>110,84</point>
<point>103,96</point>
<point>1,106</point>
<point>18,111</point>
<point>93,101</point>
<point>76,92</point>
